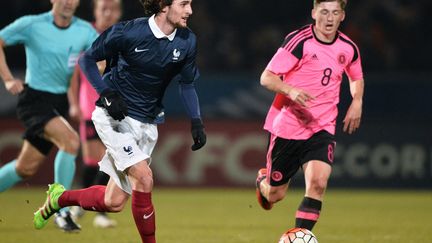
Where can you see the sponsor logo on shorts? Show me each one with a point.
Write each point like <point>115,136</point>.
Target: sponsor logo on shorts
<point>276,176</point>
<point>128,150</point>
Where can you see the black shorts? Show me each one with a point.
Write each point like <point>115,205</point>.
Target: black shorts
<point>34,109</point>
<point>286,156</point>
<point>88,131</point>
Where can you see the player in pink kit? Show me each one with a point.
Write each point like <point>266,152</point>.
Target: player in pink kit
<point>83,97</point>
<point>306,74</point>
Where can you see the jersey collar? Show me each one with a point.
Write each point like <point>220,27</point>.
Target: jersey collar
<point>323,42</point>
<point>157,32</point>
<point>51,17</point>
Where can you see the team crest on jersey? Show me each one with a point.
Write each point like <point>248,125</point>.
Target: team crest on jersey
<point>176,55</point>
<point>341,59</point>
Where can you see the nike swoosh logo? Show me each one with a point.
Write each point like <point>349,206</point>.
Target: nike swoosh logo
<point>147,216</point>
<point>108,103</point>
<point>140,50</point>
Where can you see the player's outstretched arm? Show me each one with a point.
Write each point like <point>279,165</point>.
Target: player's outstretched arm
<point>273,82</point>
<point>353,116</point>
<point>13,85</point>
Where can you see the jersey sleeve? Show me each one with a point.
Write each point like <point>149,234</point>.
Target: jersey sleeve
<point>354,69</point>
<point>108,44</point>
<point>189,72</point>
<point>282,62</point>
<point>190,100</point>
<point>188,75</point>
<point>18,31</point>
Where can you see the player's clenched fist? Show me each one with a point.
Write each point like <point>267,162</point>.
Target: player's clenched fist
<point>198,134</point>
<point>114,104</point>
<point>14,86</point>
<point>299,96</point>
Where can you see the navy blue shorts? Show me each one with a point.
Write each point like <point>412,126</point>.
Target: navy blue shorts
<point>286,156</point>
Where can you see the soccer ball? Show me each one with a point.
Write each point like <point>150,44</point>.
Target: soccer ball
<point>298,235</point>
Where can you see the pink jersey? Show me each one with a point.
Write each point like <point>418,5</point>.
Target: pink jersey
<point>87,97</point>
<point>316,67</point>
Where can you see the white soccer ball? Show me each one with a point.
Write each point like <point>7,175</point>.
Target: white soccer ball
<point>298,235</point>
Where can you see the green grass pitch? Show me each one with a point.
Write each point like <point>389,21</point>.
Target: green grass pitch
<point>233,216</point>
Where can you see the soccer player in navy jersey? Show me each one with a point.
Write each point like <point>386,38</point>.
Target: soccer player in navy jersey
<point>143,56</point>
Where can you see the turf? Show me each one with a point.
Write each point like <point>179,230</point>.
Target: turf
<point>233,216</point>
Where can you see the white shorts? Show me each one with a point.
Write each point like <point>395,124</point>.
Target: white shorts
<point>127,141</point>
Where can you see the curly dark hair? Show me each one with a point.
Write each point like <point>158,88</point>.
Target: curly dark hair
<point>341,2</point>
<point>154,6</point>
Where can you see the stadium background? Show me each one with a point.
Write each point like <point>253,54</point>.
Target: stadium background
<point>236,40</point>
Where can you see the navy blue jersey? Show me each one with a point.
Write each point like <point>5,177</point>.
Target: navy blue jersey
<point>141,62</point>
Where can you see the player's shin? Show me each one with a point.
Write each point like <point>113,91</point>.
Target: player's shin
<point>92,199</point>
<point>8,176</point>
<point>64,168</point>
<point>308,213</point>
<point>144,216</point>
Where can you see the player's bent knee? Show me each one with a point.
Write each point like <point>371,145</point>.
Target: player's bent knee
<point>318,186</point>
<point>141,177</point>
<point>71,144</point>
<point>144,183</point>
<point>74,142</point>
<point>115,208</point>
<point>27,167</point>
<point>116,205</point>
<point>26,172</point>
